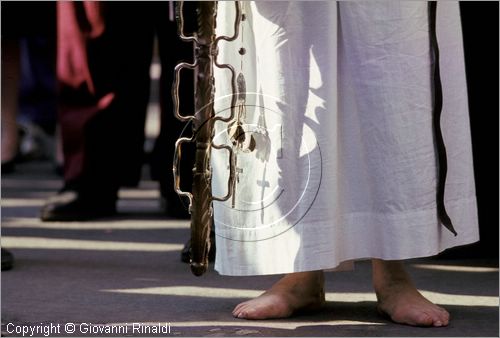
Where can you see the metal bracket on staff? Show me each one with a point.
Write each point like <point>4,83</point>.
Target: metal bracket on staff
<point>201,198</point>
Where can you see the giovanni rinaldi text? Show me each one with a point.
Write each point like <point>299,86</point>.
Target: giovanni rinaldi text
<point>47,329</point>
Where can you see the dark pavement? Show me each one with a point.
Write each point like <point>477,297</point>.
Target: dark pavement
<point>127,270</point>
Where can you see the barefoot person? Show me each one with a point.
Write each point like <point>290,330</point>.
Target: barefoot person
<point>344,116</point>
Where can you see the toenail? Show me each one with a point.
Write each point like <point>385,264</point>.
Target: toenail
<point>438,323</point>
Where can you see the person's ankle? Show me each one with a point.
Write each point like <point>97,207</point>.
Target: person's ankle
<point>388,274</point>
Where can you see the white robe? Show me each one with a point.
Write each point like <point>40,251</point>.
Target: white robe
<point>339,102</point>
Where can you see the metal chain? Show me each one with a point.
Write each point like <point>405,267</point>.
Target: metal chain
<point>201,198</point>
<point>176,99</point>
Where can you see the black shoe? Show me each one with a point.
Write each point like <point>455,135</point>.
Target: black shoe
<point>71,205</point>
<point>185,253</point>
<point>7,260</point>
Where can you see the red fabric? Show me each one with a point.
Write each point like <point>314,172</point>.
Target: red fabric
<point>78,23</point>
<point>74,29</point>
<point>104,55</point>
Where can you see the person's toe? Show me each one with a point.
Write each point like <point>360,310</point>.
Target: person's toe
<point>238,308</point>
<point>423,319</point>
<point>412,317</point>
<point>443,317</point>
<point>249,313</point>
<point>244,312</point>
<point>242,315</point>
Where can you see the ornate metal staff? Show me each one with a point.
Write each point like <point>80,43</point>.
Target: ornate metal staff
<point>201,198</point>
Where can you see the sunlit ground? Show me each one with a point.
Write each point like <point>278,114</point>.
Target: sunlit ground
<point>127,269</point>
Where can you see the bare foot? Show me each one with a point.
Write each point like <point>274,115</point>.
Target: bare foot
<point>400,300</point>
<point>294,292</point>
